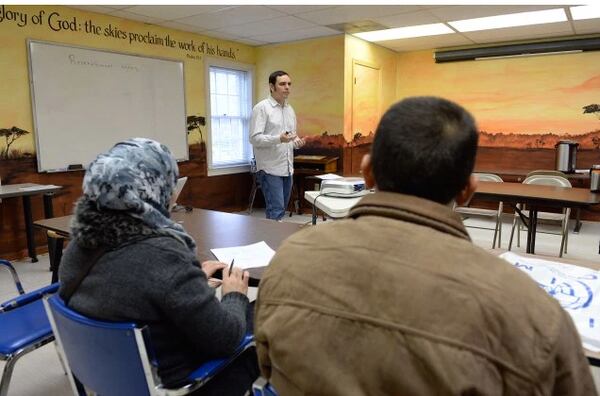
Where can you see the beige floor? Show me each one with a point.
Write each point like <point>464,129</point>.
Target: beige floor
<point>40,372</point>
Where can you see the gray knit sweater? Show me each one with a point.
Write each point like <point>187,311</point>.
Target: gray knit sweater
<point>155,280</point>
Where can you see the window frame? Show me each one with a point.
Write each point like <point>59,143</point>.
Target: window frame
<point>239,66</point>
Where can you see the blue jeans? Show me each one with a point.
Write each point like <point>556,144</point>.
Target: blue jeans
<point>276,190</point>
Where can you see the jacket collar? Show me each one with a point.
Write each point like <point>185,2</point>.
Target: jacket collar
<point>411,209</point>
<point>275,103</point>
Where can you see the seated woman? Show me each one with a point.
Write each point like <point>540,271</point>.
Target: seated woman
<point>128,261</point>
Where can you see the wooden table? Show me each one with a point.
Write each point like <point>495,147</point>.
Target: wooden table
<point>210,229</point>
<point>25,191</point>
<point>577,179</point>
<point>534,196</point>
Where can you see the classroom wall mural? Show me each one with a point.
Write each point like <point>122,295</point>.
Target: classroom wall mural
<point>316,68</point>
<point>80,28</point>
<point>525,103</point>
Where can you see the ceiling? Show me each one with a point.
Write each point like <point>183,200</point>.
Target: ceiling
<point>267,24</point>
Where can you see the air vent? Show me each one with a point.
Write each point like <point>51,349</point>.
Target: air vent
<point>357,27</point>
<point>547,47</point>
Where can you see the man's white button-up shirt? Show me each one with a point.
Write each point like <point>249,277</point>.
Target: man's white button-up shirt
<point>269,120</point>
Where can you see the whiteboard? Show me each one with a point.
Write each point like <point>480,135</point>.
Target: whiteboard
<point>85,100</point>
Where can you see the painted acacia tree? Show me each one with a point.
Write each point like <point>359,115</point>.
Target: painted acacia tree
<point>592,109</point>
<point>194,122</point>
<point>10,135</point>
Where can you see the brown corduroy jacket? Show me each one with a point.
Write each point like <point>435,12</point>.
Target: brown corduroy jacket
<point>396,300</point>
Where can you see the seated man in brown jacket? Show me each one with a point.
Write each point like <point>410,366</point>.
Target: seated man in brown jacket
<point>397,300</point>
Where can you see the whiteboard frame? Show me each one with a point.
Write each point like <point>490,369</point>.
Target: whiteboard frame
<point>38,153</point>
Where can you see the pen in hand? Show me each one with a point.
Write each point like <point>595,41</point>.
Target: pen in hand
<point>231,266</point>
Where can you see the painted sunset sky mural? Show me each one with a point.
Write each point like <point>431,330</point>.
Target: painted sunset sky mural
<point>518,102</point>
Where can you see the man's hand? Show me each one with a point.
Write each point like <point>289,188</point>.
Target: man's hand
<point>211,266</point>
<point>287,137</point>
<point>236,282</point>
<point>298,142</point>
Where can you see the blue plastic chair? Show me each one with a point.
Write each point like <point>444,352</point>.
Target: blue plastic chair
<point>24,327</point>
<point>111,358</point>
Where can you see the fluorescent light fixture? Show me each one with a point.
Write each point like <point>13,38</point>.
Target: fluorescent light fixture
<point>433,29</point>
<point>585,12</point>
<point>510,20</point>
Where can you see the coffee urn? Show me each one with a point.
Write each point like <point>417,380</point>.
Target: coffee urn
<point>566,156</point>
<point>595,178</point>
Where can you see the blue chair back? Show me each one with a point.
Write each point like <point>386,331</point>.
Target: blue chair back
<point>111,358</point>
<point>103,356</point>
<point>24,327</point>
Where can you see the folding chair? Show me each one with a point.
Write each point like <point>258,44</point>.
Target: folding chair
<point>548,178</point>
<point>112,358</point>
<point>24,327</point>
<point>496,214</point>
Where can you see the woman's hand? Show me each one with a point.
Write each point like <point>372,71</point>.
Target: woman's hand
<point>211,266</point>
<point>237,281</point>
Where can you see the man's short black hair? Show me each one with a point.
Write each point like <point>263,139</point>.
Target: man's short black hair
<point>424,146</point>
<point>275,74</point>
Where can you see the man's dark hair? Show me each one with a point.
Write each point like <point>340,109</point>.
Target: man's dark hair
<point>275,74</point>
<point>424,146</point>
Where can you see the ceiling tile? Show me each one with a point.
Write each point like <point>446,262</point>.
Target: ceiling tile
<point>341,14</point>
<point>231,16</point>
<point>408,19</point>
<point>298,9</point>
<point>269,26</point>
<point>168,12</point>
<point>181,26</point>
<point>587,26</point>
<point>421,43</point>
<point>251,42</point>
<point>294,35</point>
<point>459,12</point>
<point>135,17</point>
<point>521,33</point>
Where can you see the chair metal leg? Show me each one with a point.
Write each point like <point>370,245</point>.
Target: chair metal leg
<point>252,194</point>
<point>14,274</point>
<point>512,232</point>
<point>6,374</point>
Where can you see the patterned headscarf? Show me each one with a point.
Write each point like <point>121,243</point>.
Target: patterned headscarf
<point>136,177</point>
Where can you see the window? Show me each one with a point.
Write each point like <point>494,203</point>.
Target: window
<point>230,108</point>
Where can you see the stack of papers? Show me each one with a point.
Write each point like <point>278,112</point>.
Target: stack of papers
<point>249,256</point>
<point>577,289</point>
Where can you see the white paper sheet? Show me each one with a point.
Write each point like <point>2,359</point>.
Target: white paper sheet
<point>249,256</point>
<point>329,176</point>
<point>577,289</point>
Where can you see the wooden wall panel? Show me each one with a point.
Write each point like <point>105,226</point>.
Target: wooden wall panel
<point>227,193</point>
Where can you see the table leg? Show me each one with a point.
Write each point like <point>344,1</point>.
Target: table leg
<point>532,230</point>
<point>29,228</point>
<point>48,209</point>
<point>577,221</point>
<point>56,256</point>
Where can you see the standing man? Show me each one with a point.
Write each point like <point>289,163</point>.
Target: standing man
<point>397,300</point>
<point>273,136</point>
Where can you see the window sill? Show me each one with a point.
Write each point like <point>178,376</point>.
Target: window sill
<point>228,170</point>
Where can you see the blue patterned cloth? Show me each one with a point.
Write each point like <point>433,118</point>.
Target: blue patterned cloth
<point>136,177</point>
